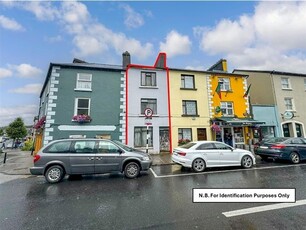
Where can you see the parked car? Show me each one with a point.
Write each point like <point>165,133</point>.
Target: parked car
<point>88,156</point>
<point>268,139</point>
<point>293,149</point>
<point>199,155</point>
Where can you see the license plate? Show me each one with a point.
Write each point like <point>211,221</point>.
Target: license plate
<point>263,147</point>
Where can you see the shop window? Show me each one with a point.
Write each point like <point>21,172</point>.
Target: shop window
<point>238,135</point>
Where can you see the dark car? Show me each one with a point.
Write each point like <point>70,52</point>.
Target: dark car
<point>293,149</point>
<point>88,156</point>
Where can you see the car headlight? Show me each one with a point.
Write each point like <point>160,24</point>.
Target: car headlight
<point>146,158</point>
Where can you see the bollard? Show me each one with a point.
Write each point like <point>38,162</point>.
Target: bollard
<point>4,160</point>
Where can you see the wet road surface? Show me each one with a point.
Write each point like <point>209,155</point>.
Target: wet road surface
<point>148,202</point>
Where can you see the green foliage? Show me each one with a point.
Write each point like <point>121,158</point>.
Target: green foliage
<point>28,145</point>
<point>1,132</point>
<point>16,129</point>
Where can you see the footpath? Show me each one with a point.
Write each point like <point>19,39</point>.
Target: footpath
<point>19,162</point>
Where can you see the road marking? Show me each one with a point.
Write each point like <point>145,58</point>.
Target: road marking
<point>224,171</point>
<point>154,174</point>
<point>262,208</point>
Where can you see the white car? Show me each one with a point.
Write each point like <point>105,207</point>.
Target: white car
<point>199,155</point>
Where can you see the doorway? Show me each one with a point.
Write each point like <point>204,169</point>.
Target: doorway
<point>164,139</point>
<point>202,136</point>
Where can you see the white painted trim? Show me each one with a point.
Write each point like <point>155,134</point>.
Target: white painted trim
<point>263,208</point>
<point>87,127</point>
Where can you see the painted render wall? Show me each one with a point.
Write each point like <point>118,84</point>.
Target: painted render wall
<point>268,114</point>
<point>177,95</point>
<point>135,93</point>
<point>104,104</point>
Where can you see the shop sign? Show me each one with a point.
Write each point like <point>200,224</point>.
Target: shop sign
<point>288,115</point>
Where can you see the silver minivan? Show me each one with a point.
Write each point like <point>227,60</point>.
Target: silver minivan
<point>88,156</point>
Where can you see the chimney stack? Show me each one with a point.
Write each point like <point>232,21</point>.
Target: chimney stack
<point>126,59</point>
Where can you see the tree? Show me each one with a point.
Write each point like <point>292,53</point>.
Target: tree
<point>16,129</point>
<point>1,132</point>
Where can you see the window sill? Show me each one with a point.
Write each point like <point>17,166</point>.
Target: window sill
<point>192,89</point>
<point>287,89</point>
<point>185,115</point>
<point>148,87</point>
<point>154,115</point>
<point>87,90</point>
<point>227,91</point>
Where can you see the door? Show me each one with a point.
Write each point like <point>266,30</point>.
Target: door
<point>82,157</point>
<point>108,157</point>
<point>209,153</point>
<point>164,139</point>
<point>202,136</point>
<point>227,156</point>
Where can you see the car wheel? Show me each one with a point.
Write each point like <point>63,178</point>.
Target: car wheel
<point>246,162</point>
<point>54,174</point>
<point>132,170</point>
<point>295,158</point>
<point>198,165</point>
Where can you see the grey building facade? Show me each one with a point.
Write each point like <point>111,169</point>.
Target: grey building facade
<point>286,92</point>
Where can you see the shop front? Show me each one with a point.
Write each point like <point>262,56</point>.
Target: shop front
<point>237,132</point>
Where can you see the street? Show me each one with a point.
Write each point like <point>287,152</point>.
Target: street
<point>159,199</point>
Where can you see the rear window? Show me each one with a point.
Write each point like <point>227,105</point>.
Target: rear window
<point>58,147</point>
<point>188,145</point>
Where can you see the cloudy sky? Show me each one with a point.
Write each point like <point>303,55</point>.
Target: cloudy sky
<point>250,35</point>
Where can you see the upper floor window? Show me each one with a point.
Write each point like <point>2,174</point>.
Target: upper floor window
<point>84,81</point>
<point>227,108</point>
<point>224,84</point>
<point>148,79</point>
<point>82,106</point>
<point>289,103</point>
<point>148,103</point>
<point>285,83</point>
<point>187,81</point>
<point>190,108</point>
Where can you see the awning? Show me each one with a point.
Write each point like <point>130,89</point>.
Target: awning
<point>238,121</point>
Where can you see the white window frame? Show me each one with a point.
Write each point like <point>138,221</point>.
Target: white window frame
<point>291,104</point>
<point>225,108</point>
<point>78,81</point>
<point>285,85</point>
<point>76,105</point>
<point>225,84</point>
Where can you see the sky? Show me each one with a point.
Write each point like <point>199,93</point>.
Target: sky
<point>265,35</point>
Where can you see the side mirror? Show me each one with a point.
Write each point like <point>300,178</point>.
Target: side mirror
<point>120,151</point>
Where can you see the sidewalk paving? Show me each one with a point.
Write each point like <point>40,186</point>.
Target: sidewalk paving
<point>19,162</point>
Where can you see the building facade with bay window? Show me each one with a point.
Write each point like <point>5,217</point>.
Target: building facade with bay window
<point>286,93</point>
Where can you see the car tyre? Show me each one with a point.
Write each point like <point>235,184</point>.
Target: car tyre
<point>295,158</point>
<point>132,170</point>
<point>198,165</point>
<point>54,174</point>
<point>246,162</point>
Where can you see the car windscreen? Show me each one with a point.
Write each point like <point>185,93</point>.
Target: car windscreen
<point>123,146</point>
<point>188,145</point>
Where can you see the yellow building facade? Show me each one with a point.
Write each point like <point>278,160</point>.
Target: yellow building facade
<point>189,106</point>
<point>229,107</point>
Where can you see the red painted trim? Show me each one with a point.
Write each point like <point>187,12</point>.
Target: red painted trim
<point>169,110</point>
<point>126,104</point>
<point>168,89</point>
